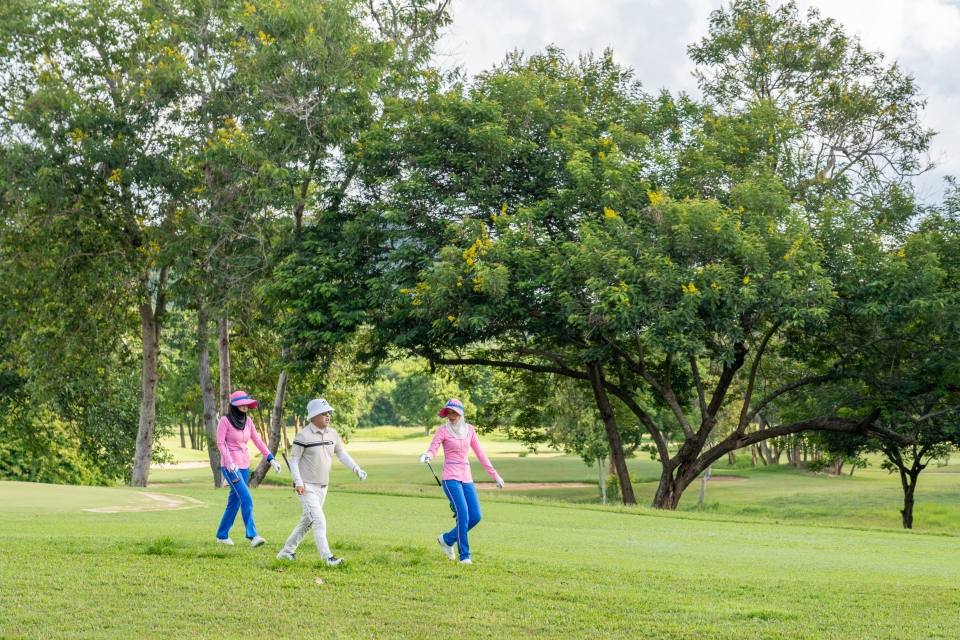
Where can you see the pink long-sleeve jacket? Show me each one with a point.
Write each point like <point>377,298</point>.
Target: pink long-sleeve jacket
<point>232,443</point>
<point>455,452</point>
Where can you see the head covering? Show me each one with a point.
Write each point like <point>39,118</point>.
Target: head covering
<point>452,405</point>
<point>237,418</point>
<point>458,429</point>
<point>316,407</point>
<point>240,398</point>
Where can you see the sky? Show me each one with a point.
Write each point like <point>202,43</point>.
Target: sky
<point>651,36</point>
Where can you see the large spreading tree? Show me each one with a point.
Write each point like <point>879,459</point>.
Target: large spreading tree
<point>551,217</point>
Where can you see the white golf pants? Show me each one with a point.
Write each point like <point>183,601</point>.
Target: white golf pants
<point>312,501</point>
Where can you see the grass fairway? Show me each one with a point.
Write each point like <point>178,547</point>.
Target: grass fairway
<point>542,570</point>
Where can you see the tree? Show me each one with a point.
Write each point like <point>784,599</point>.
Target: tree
<point>550,218</point>
<point>89,128</point>
<point>834,120</point>
<point>418,396</point>
<point>912,311</point>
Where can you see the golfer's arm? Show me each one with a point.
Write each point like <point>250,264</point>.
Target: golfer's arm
<point>482,456</point>
<point>435,443</point>
<point>257,441</point>
<point>295,468</point>
<point>225,458</point>
<point>347,460</point>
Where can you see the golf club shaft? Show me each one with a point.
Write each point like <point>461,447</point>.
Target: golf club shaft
<point>283,453</point>
<point>439,484</point>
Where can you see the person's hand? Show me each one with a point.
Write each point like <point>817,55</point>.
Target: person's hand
<point>361,474</point>
<point>499,482</point>
<point>299,490</point>
<point>276,466</point>
<point>233,468</point>
<point>424,458</point>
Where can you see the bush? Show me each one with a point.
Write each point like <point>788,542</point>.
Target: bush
<point>49,453</point>
<point>613,485</point>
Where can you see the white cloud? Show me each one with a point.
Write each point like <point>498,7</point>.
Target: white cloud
<point>652,37</point>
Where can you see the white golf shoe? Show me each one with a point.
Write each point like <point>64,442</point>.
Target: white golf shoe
<point>286,555</point>
<point>226,541</point>
<point>257,541</point>
<point>466,561</point>
<point>333,561</point>
<point>447,549</point>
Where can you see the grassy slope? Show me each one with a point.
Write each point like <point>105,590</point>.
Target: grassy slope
<point>541,571</point>
<point>871,498</point>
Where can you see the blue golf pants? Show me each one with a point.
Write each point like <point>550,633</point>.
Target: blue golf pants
<point>240,499</point>
<point>466,505</point>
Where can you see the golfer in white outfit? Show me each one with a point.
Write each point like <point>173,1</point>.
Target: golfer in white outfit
<point>310,459</point>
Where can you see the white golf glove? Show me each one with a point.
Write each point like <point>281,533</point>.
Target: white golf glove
<point>233,468</point>
<point>424,458</point>
<point>361,474</point>
<point>499,482</point>
<point>276,466</point>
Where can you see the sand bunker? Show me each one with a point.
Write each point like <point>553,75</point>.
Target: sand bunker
<point>161,502</point>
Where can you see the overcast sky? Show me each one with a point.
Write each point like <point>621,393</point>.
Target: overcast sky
<point>652,37</point>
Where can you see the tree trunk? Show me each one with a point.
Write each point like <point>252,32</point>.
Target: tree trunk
<point>223,352</point>
<point>150,319</point>
<point>909,481</point>
<point>183,439</point>
<point>753,456</point>
<point>703,483</point>
<point>602,481</point>
<point>669,491</point>
<point>210,417</point>
<point>765,453</point>
<point>731,458</point>
<point>613,434</point>
<point>276,420</point>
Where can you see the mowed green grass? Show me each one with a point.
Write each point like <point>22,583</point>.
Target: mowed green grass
<point>541,570</point>
<point>871,498</point>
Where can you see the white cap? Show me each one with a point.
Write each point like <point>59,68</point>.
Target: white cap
<point>316,407</point>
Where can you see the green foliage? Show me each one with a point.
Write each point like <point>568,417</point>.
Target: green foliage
<point>831,117</point>
<point>35,446</point>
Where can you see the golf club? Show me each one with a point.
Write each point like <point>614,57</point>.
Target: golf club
<point>440,484</point>
<point>284,454</point>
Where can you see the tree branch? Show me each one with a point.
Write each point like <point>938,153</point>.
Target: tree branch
<point>745,410</point>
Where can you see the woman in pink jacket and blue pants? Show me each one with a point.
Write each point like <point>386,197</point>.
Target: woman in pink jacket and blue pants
<point>457,438</point>
<point>233,432</point>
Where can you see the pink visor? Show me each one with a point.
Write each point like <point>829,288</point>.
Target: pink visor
<point>453,405</point>
<point>240,398</point>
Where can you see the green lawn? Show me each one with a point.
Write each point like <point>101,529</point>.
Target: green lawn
<point>871,498</point>
<point>773,553</point>
<point>542,570</point>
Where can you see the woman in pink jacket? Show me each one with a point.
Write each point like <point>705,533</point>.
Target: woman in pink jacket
<point>233,432</point>
<point>457,438</point>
